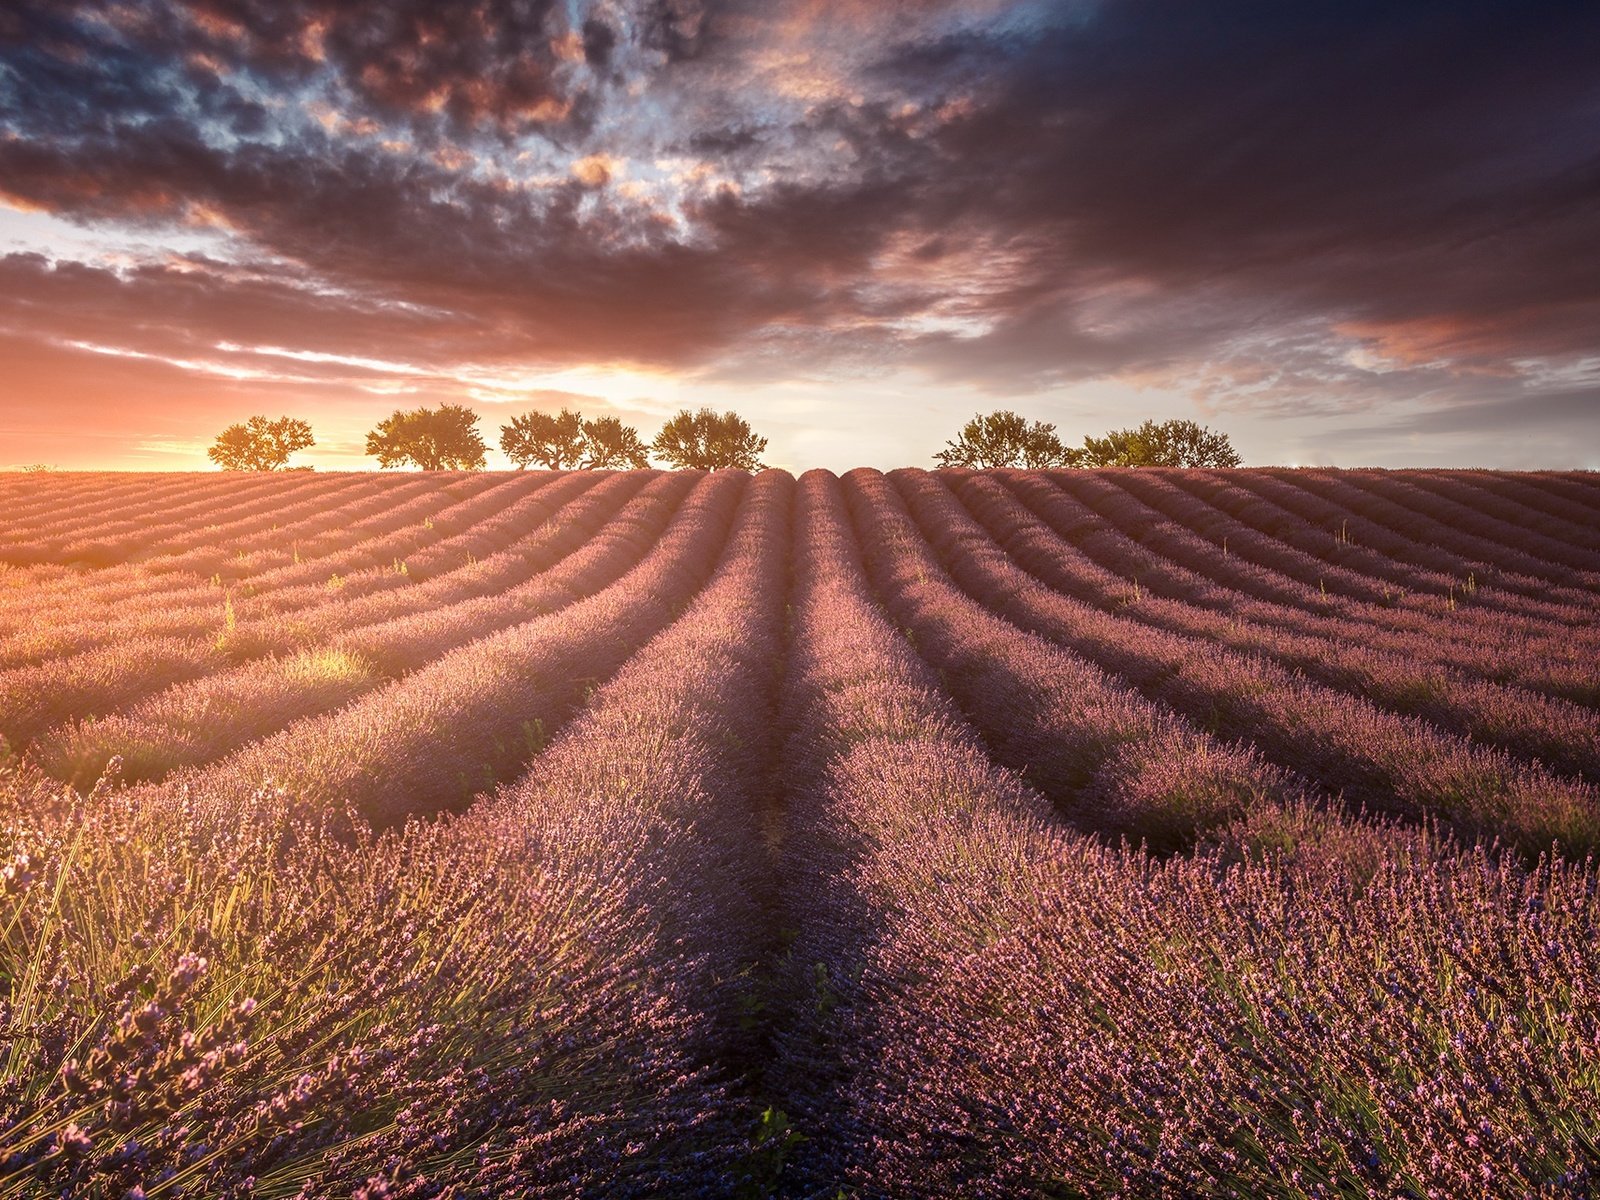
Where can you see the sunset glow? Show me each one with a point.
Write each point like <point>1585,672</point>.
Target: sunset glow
<point>778,599</point>
<point>1352,234</point>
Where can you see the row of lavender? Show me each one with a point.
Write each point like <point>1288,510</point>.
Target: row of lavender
<point>170,563</point>
<point>540,997</point>
<point>591,983</point>
<point>289,634</point>
<point>984,1004</point>
<point>1405,745</point>
<point>1066,687</point>
<point>318,516</point>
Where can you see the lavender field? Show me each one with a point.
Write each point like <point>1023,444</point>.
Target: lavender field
<point>1134,833</point>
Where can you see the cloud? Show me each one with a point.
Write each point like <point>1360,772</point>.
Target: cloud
<point>1276,209</point>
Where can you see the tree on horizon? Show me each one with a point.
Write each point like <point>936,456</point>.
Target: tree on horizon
<point>709,441</point>
<point>609,444</point>
<point>552,441</point>
<point>436,439</point>
<point>260,444</point>
<point>1004,439</point>
<point>1175,443</point>
<point>1007,439</point>
<point>567,440</point>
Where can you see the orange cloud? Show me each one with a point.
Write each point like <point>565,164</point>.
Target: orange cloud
<point>1462,344</point>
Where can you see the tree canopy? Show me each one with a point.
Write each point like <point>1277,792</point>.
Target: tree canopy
<point>436,439</point>
<point>1158,444</point>
<point>607,442</point>
<point>706,441</point>
<point>553,441</point>
<point>260,444</point>
<point>567,440</point>
<point>1004,439</point>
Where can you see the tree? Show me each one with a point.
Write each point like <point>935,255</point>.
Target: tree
<point>1158,444</point>
<point>555,442</point>
<point>705,441</point>
<point>436,439</point>
<point>1004,439</point>
<point>259,444</point>
<point>607,442</point>
<point>567,440</point>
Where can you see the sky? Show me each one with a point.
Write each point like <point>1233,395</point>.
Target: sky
<point>1342,232</point>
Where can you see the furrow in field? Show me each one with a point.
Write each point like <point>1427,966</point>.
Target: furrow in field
<point>237,550</point>
<point>37,696</point>
<point>1539,500</point>
<point>220,499</point>
<point>1549,611</point>
<point>982,1005</point>
<point>418,550</point>
<point>139,540</point>
<point>489,557</point>
<point>1343,655</point>
<point>228,549</point>
<point>1263,546</point>
<point>485,564</point>
<point>1171,560</point>
<point>226,627</point>
<point>36,499</point>
<point>1112,761</point>
<point>281,657</point>
<point>652,800</point>
<point>1498,650</point>
<point>402,534</point>
<point>1472,581</point>
<point>1485,516</point>
<point>886,789</point>
<point>1577,488</point>
<point>200,720</point>
<point>111,588</point>
<point>1414,515</point>
<point>1091,511</point>
<point>174,605</point>
<point>1382,761</point>
<point>431,740</point>
<point>1226,491</point>
<point>70,500</point>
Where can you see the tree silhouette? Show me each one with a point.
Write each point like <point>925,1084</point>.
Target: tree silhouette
<point>555,442</point>
<point>1158,444</point>
<point>259,444</point>
<point>436,439</point>
<point>1004,439</point>
<point>607,442</point>
<point>705,441</point>
<point>567,440</point>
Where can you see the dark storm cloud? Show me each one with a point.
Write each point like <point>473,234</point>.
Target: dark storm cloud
<point>555,274</point>
<point>1365,162</point>
<point>678,28</point>
<point>599,39</point>
<point>1010,195</point>
<point>443,67</point>
<point>727,142</point>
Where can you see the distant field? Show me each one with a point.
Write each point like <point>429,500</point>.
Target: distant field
<point>1071,833</point>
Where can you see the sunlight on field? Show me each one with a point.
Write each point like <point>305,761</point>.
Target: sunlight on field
<point>324,665</point>
<point>709,833</point>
